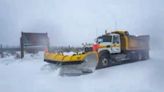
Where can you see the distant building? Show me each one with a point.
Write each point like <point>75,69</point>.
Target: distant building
<point>33,41</point>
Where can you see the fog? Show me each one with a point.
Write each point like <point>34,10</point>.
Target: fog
<point>72,22</point>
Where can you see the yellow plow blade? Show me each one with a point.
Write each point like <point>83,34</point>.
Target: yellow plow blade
<point>77,63</point>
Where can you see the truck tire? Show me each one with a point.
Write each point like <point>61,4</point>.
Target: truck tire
<point>138,55</point>
<point>143,55</point>
<point>104,60</point>
<point>133,55</point>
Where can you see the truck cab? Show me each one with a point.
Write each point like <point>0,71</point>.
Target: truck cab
<point>109,42</point>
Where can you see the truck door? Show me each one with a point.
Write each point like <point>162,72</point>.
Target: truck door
<point>116,46</point>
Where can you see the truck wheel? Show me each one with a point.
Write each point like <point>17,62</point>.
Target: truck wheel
<point>133,55</point>
<point>104,60</point>
<point>143,55</point>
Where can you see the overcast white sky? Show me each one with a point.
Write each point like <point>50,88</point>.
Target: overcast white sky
<point>71,22</point>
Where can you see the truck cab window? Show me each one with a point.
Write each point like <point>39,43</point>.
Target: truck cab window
<point>116,39</point>
<point>104,39</point>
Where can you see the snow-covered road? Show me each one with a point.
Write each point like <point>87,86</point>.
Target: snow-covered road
<point>26,76</point>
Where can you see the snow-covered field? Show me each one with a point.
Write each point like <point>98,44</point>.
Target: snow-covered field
<point>26,75</point>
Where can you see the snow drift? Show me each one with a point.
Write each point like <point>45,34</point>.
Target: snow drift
<point>26,75</point>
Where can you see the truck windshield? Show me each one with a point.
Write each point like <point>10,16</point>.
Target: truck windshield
<point>104,39</point>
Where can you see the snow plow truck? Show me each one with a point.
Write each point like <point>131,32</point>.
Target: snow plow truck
<point>113,48</point>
